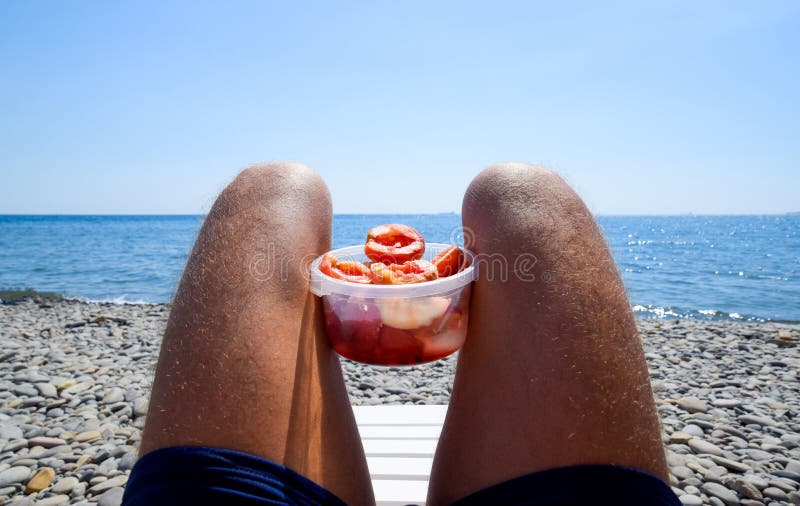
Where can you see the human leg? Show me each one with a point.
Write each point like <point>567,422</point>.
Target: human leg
<point>552,373</point>
<point>244,364</point>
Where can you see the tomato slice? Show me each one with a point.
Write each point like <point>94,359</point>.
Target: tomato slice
<point>347,270</point>
<point>449,261</point>
<point>394,244</point>
<point>413,271</point>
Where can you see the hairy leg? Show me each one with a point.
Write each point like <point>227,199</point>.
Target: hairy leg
<point>244,363</point>
<point>552,373</point>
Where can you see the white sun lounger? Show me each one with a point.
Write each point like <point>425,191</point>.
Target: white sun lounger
<point>399,442</point>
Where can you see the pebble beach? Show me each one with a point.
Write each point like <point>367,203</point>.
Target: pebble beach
<point>75,377</point>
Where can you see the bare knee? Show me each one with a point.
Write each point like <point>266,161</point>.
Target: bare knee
<point>293,186</point>
<point>520,200</point>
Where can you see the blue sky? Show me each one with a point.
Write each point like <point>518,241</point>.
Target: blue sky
<point>645,107</point>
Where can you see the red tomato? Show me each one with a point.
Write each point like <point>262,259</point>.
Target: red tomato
<point>394,244</point>
<point>348,270</point>
<point>449,261</point>
<point>413,271</point>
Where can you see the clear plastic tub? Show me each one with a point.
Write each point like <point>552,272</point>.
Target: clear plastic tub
<point>395,324</point>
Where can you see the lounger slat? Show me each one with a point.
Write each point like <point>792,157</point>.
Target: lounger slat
<point>400,415</point>
<point>399,447</point>
<point>400,431</point>
<point>400,492</point>
<point>393,468</point>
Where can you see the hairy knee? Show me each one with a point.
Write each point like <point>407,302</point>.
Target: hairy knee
<point>514,182</point>
<point>521,199</point>
<point>287,177</point>
<point>285,183</point>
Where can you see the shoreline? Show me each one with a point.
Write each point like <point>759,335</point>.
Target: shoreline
<point>75,376</point>
<point>640,311</point>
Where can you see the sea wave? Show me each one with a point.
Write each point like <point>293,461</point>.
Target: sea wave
<point>664,313</point>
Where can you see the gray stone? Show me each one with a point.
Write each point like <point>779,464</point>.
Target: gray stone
<point>65,485</point>
<point>756,454</point>
<point>15,445</point>
<point>10,432</point>
<point>680,437</point>
<point>56,500</point>
<point>788,474</point>
<point>46,442</point>
<point>22,501</point>
<point>727,496</point>
<point>776,493</point>
<point>793,466</point>
<point>690,500</point>
<point>715,474</point>
<point>783,484</point>
<point>111,497</point>
<point>715,501</point>
<point>140,406</point>
<point>757,420</point>
<point>12,475</point>
<point>25,390</point>
<point>701,446</point>
<point>47,389</point>
<point>731,464</point>
<point>56,450</point>
<point>113,395</point>
<point>692,404</point>
<point>726,403</point>
<point>794,498</point>
<point>127,461</point>
<point>744,488</point>
<point>117,481</point>
<point>693,429</point>
<point>682,472</point>
<point>756,480</point>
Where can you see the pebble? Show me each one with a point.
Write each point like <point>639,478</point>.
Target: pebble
<point>744,488</point>
<point>730,464</point>
<point>690,500</point>
<point>117,481</point>
<point>12,475</point>
<point>114,395</point>
<point>56,500</point>
<point>41,480</point>
<point>680,437</point>
<point>65,485</point>
<point>757,420</point>
<point>47,389</point>
<point>111,497</point>
<point>776,493</point>
<point>91,435</point>
<point>693,430</point>
<point>46,442</point>
<point>716,490</point>
<point>140,405</point>
<point>692,404</point>
<point>701,446</point>
<point>127,461</point>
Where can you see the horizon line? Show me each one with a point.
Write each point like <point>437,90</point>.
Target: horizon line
<point>686,214</point>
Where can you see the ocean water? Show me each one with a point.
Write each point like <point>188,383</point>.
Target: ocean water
<point>737,267</point>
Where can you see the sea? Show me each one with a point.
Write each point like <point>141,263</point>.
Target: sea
<point>706,267</point>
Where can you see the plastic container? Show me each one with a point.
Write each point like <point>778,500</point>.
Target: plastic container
<point>395,324</point>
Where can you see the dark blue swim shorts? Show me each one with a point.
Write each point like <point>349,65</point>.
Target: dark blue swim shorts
<point>198,476</point>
